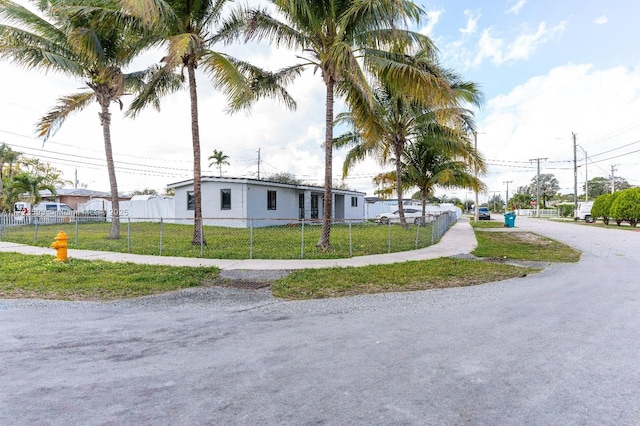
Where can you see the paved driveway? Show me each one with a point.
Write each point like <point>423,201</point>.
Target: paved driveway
<point>558,348</point>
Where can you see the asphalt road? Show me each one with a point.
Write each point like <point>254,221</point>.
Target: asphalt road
<point>557,348</point>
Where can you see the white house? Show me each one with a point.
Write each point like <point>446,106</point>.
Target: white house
<point>252,202</point>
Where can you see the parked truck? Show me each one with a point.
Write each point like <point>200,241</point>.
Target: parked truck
<point>584,212</point>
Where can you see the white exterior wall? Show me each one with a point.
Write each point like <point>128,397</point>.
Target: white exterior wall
<point>249,202</point>
<point>357,212</point>
<point>286,205</point>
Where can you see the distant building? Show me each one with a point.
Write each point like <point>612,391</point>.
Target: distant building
<point>73,197</point>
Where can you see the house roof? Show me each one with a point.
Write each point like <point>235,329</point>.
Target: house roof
<point>79,192</point>
<point>262,182</point>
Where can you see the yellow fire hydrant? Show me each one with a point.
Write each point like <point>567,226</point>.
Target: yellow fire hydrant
<point>60,244</point>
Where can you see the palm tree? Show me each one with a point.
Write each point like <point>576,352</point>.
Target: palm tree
<point>219,159</point>
<point>344,40</point>
<point>30,184</point>
<point>399,119</point>
<point>91,42</point>
<point>431,162</point>
<point>189,30</point>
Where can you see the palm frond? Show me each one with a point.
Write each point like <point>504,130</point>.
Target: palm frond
<point>227,78</point>
<point>150,86</point>
<point>48,125</point>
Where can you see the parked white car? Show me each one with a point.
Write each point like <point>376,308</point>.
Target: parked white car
<point>411,215</point>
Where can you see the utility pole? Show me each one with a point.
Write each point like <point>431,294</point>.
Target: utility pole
<point>538,187</point>
<point>575,177</point>
<point>506,201</point>
<point>613,185</point>
<point>475,147</point>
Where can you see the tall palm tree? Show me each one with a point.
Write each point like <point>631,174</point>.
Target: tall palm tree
<point>345,40</point>
<point>87,40</point>
<point>189,30</point>
<point>219,159</point>
<point>399,119</point>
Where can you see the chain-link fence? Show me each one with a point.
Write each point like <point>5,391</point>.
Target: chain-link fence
<point>231,238</point>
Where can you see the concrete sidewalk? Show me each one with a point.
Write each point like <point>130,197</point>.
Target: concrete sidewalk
<point>460,239</point>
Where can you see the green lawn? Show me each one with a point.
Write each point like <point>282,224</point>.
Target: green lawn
<point>406,276</point>
<point>523,246</point>
<point>28,276</point>
<point>275,242</point>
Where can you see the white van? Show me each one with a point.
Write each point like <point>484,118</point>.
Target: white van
<point>48,207</point>
<point>584,212</point>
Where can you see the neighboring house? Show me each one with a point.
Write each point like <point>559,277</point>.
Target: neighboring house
<point>74,197</point>
<point>259,203</point>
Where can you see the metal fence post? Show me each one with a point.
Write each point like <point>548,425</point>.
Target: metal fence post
<point>350,241</point>
<point>389,237</point>
<point>302,238</point>
<point>76,230</point>
<point>201,237</point>
<point>161,236</point>
<point>35,232</point>
<point>418,232</point>
<point>129,234</point>
<point>434,223</point>
<point>251,239</point>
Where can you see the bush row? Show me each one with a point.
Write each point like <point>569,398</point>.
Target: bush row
<point>621,206</point>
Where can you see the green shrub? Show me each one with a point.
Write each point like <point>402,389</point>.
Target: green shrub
<point>565,210</point>
<point>626,206</point>
<point>598,208</point>
<point>606,206</point>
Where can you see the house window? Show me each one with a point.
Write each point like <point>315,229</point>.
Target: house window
<point>354,201</point>
<point>271,200</point>
<point>225,199</point>
<point>191,201</point>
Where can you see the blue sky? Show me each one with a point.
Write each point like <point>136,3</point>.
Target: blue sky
<point>547,69</point>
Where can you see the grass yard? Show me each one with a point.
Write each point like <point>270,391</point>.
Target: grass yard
<point>406,276</point>
<point>523,246</point>
<point>28,276</point>
<point>275,242</point>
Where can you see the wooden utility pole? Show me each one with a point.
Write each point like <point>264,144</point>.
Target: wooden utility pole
<point>538,187</point>
<point>506,201</point>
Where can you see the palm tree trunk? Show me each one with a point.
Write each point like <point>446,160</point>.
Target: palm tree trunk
<point>198,237</point>
<point>398,147</point>
<point>105,121</point>
<point>325,235</point>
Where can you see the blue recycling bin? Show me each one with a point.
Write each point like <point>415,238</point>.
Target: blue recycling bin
<point>510,219</point>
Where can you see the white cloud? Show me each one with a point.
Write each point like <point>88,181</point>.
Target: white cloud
<point>601,20</point>
<point>525,44</point>
<point>472,22</point>
<point>515,9</point>
<point>433,17</point>
<point>537,118</point>
<point>498,51</point>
